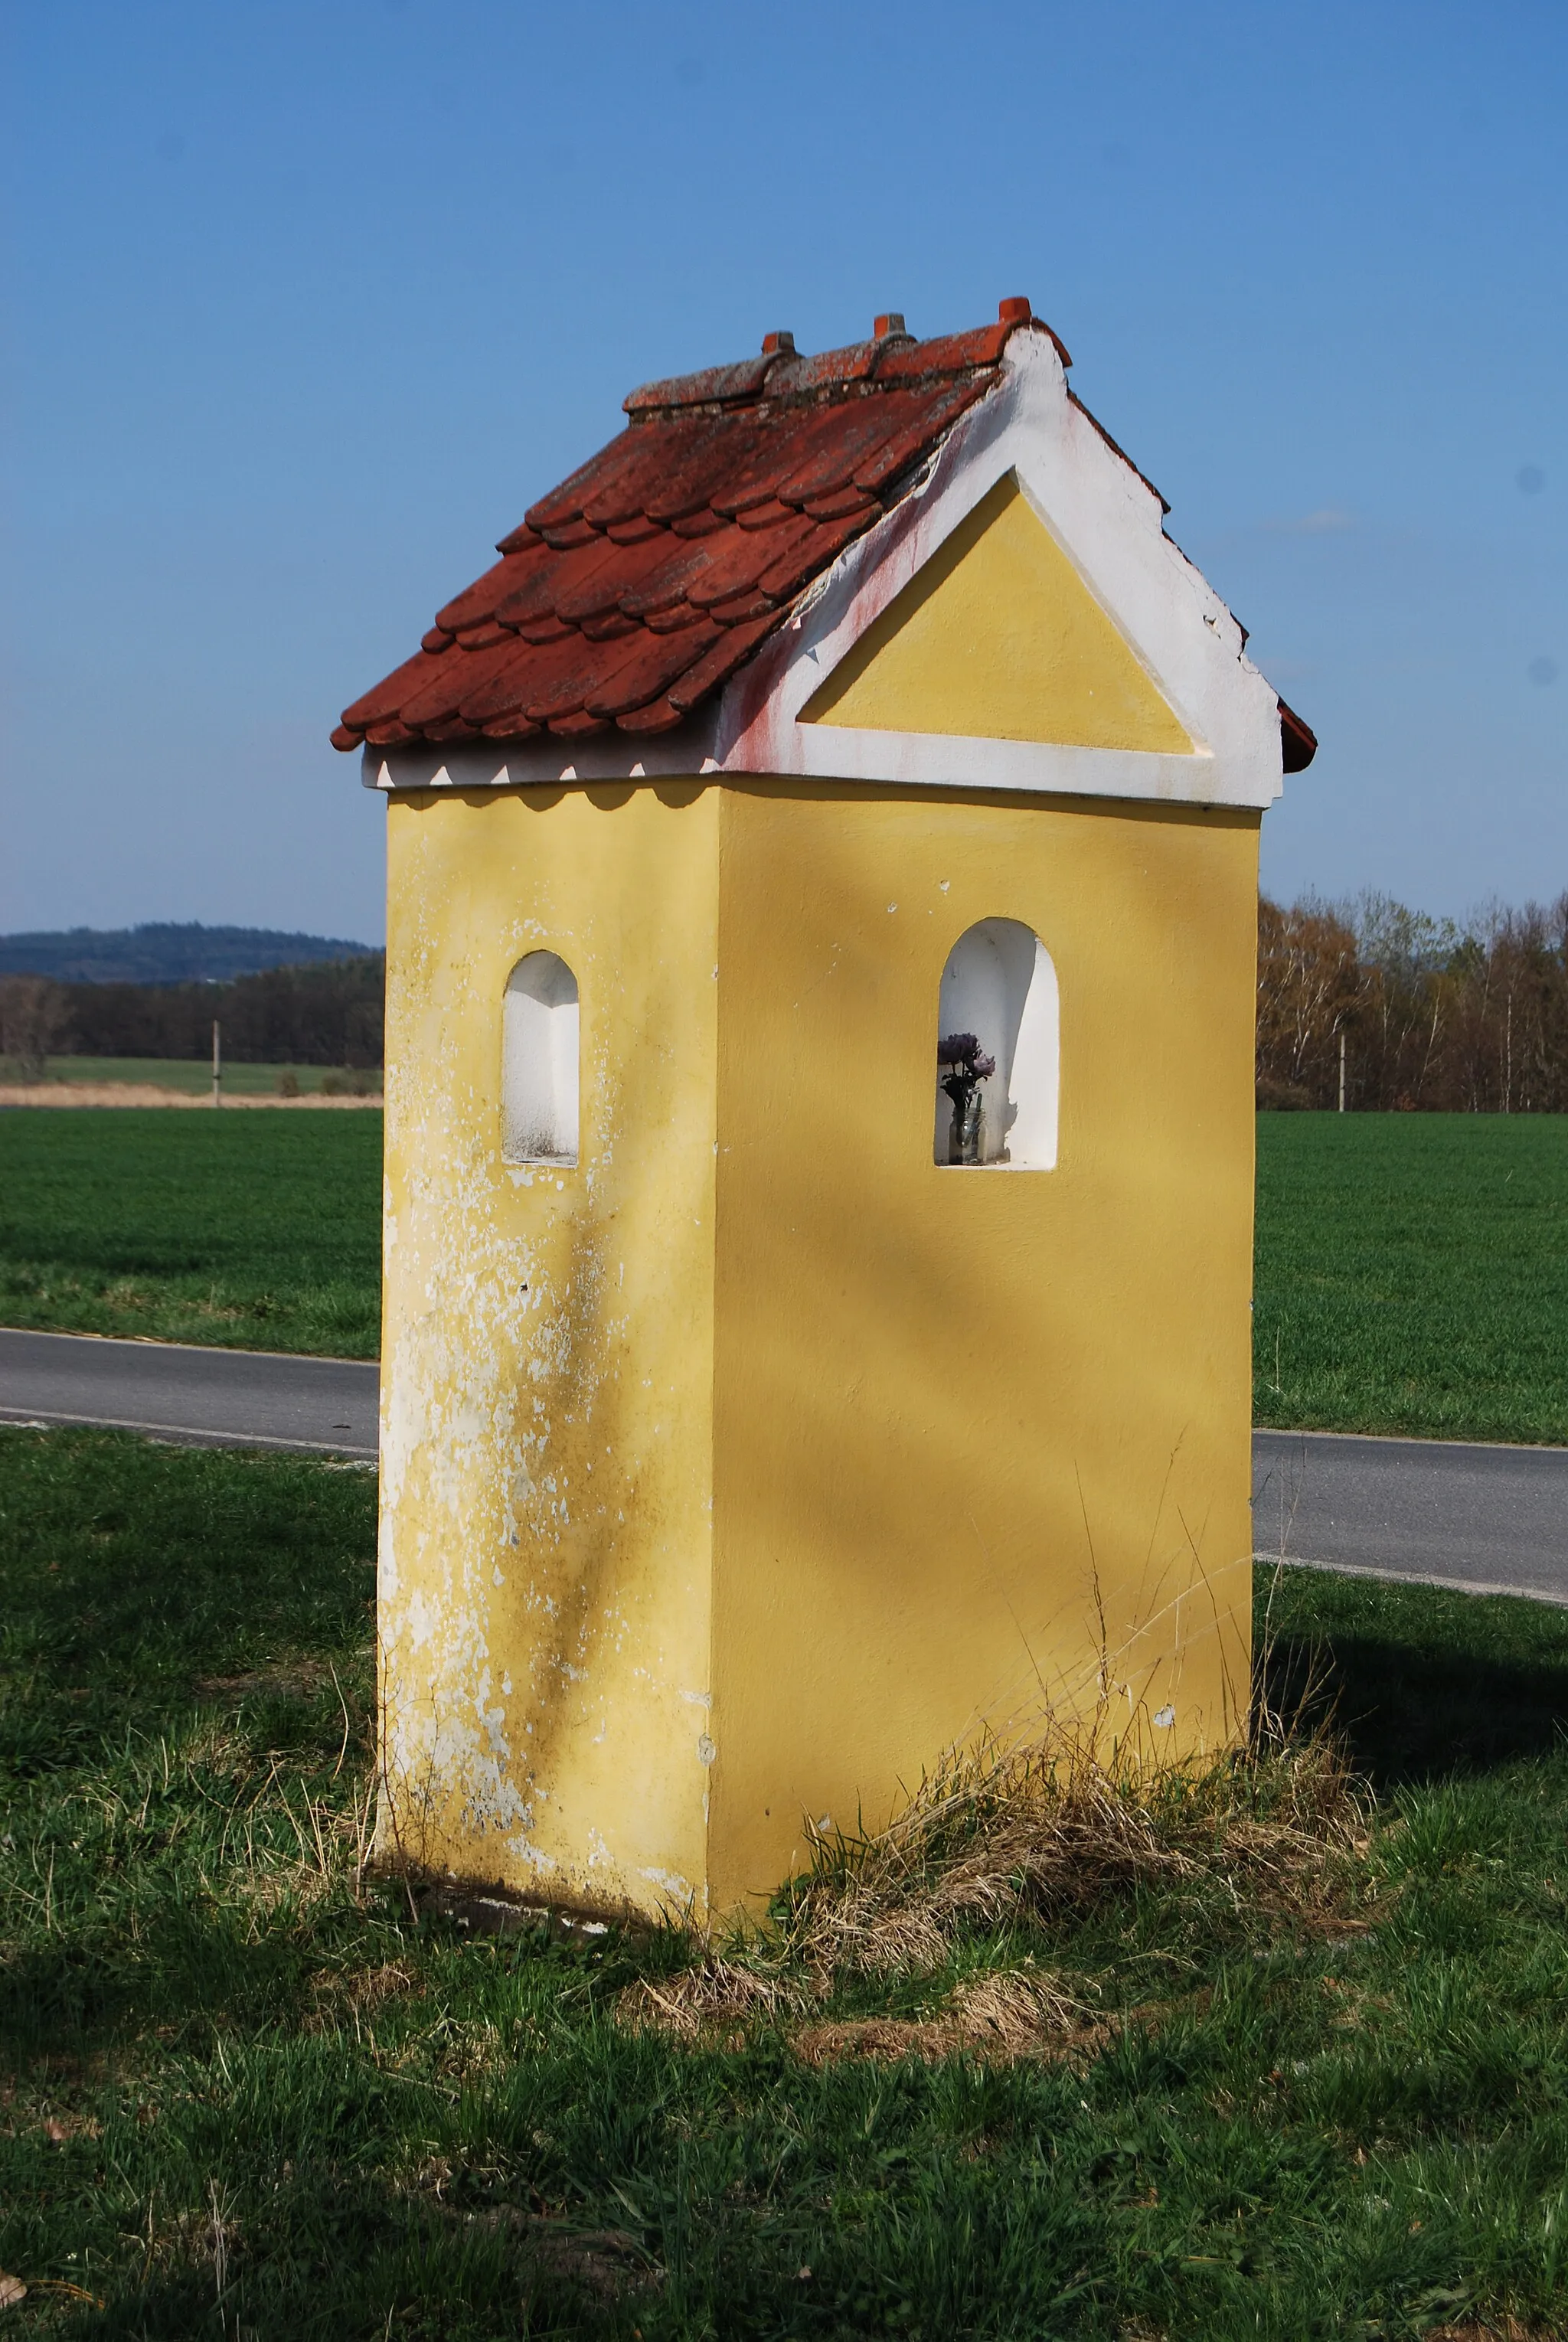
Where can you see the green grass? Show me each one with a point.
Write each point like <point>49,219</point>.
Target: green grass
<point>1285,2130</point>
<point>259,1231</point>
<point>192,1075</point>
<point>1411,1269</point>
<point>1412,1275</point>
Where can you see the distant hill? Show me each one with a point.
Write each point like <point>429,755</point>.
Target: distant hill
<point>165,954</point>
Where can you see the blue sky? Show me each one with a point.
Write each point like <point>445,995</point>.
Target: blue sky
<point>305,303</point>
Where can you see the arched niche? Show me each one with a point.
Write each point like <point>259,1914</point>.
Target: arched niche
<point>1000,984</point>
<point>539,1061</point>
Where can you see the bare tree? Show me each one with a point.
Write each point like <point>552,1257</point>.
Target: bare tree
<point>1310,987</point>
<point>1461,1018</point>
<point>33,1016</point>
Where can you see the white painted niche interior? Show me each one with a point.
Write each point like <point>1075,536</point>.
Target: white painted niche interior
<point>539,1061</point>
<point>999,983</point>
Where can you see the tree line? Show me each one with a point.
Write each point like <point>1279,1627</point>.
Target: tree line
<point>326,1013</point>
<point>1427,1014</point>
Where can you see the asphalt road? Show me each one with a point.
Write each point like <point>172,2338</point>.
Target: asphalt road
<point>1487,1520</point>
<point>1484,1519</point>
<point>210,1399</point>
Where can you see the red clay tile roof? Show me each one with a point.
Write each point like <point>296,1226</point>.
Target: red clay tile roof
<point>641,583</point>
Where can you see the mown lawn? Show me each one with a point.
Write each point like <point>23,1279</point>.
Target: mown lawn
<point>246,2094</point>
<point>261,1231</point>
<point>1412,1274</point>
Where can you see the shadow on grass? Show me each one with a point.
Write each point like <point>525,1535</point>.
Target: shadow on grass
<point>195,1973</point>
<point>1421,1683</point>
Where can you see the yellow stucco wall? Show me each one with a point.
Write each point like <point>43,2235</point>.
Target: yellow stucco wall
<point>997,637</point>
<point>801,1457</point>
<point>547,1349</point>
<point>973,1427</point>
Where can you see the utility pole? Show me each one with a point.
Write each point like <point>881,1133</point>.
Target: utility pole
<point>1340,1067</point>
<point>218,1065</point>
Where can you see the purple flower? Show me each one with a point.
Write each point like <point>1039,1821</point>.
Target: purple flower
<point>964,1050</point>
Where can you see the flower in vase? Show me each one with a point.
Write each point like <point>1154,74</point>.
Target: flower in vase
<point>968,1064</point>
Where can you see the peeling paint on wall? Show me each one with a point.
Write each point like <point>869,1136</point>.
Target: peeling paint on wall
<point>545,1546</point>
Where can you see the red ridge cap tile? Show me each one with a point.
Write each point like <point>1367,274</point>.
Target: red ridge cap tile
<point>435,639</point>
<point>948,354</point>
<point>344,737</point>
<point>830,367</point>
<point>713,386</point>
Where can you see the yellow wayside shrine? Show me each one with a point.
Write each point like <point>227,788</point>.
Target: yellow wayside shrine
<point>768,1406</point>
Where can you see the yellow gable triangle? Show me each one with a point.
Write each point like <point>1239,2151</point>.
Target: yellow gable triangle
<point>998,639</point>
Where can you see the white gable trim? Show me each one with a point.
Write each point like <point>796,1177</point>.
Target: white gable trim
<point>1108,522</point>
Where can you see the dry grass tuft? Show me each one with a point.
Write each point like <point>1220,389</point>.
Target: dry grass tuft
<point>282,1680</point>
<point>713,2000</point>
<point>1511,2330</point>
<point>358,1992</point>
<point>1045,1833</point>
<point>1049,1832</point>
<point>996,2019</point>
<point>605,2263</point>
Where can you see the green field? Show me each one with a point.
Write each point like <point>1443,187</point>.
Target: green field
<point>1412,1274</point>
<point>193,1076</point>
<point>1411,1269</point>
<point>246,2092</point>
<point>258,1230</point>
